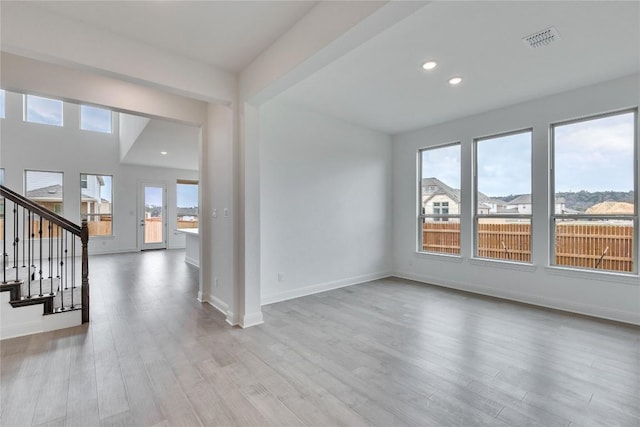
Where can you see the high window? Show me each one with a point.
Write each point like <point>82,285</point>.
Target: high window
<point>45,188</point>
<point>2,104</point>
<point>187,203</point>
<point>42,110</point>
<point>595,196</point>
<point>439,200</point>
<point>96,195</point>
<point>503,202</point>
<point>95,119</point>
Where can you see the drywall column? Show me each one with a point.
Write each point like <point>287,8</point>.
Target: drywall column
<point>219,262</point>
<point>250,312</point>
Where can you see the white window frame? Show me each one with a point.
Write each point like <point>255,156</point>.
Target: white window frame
<point>553,216</point>
<point>87,215</point>
<point>61,210</point>
<point>3,108</point>
<point>93,130</point>
<point>422,216</point>
<point>477,216</point>
<point>25,104</point>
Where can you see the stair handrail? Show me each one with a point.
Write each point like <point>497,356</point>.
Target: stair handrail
<point>80,231</point>
<point>41,211</point>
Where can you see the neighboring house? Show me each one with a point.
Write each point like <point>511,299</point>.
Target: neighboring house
<point>49,197</point>
<point>522,205</point>
<point>91,201</point>
<point>439,198</point>
<point>611,208</point>
<point>188,214</point>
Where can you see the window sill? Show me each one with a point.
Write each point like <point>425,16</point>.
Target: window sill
<point>496,263</point>
<point>440,257</point>
<point>609,276</point>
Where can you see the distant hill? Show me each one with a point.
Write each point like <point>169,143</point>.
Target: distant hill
<point>583,200</point>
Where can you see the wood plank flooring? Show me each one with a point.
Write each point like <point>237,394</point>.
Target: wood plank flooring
<point>385,353</point>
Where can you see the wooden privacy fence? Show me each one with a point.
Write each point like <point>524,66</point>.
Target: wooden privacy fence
<point>606,246</point>
<point>100,228</point>
<point>187,224</point>
<point>153,230</point>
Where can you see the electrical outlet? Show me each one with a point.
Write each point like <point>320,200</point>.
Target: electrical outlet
<point>280,277</point>
<point>226,212</point>
<point>215,213</point>
<point>215,282</point>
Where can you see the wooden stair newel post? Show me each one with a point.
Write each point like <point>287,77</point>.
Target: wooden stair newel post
<point>84,237</point>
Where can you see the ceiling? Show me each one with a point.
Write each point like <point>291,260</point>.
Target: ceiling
<point>381,84</point>
<point>226,34</point>
<point>180,142</point>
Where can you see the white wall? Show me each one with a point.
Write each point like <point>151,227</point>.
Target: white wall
<point>73,151</point>
<point>601,294</point>
<point>325,212</point>
<point>32,31</point>
<point>130,128</point>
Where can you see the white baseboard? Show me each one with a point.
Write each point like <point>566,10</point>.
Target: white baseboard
<point>218,304</point>
<point>192,261</point>
<point>251,319</point>
<point>232,318</point>
<point>64,320</point>
<point>569,306</point>
<point>322,287</point>
<point>19,330</point>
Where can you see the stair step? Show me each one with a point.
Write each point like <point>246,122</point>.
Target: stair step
<point>47,300</point>
<point>14,288</point>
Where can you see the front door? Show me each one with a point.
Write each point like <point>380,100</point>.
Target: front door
<point>152,218</point>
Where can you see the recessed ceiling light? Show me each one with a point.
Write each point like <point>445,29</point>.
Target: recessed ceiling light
<point>429,65</point>
<point>164,153</point>
<point>455,80</point>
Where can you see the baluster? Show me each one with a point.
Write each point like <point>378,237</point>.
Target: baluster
<point>73,268</point>
<point>4,243</point>
<point>50,257</point>
<point>61,234</point>
<point>40,258</point>
<point>24,231</point>
<point>30,252</point>
<point>66,258</point>
<point>16,240</point>
<point>58,250</point>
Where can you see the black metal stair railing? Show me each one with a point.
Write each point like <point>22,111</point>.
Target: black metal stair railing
<point>39,256</point>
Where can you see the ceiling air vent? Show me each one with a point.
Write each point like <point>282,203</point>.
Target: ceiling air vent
<point>542,38</point>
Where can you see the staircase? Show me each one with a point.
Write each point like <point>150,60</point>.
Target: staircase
<point>45,274</point>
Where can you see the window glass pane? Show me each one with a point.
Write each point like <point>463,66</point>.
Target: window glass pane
<point>2,104</point>
<point>602,244</point>
<point>95,119</point>
<point>43,110</point>
<point>503,178</point>
<point>440,200</point>
<point>594,166</point>
<point>45,188</point>
<point>96,203</point>
<point>504,174</point>
<point>594,182</point>
<point>507,239</point>
<point>187,206</point>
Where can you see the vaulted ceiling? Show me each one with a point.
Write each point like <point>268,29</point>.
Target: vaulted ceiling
<point>378,82</point>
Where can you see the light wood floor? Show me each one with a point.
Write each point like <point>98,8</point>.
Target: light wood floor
<point>385,353</point>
